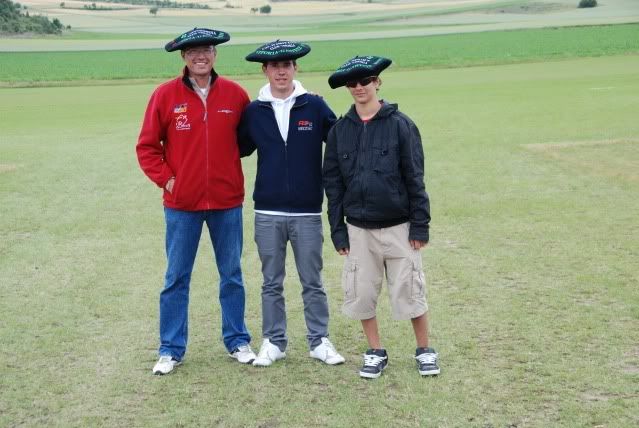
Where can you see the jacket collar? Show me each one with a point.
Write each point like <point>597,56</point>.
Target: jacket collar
<point>187,81</point>
<point>386,110</point>
<point>299,101</point>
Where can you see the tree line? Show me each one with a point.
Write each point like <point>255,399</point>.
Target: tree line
<point>15,19</point>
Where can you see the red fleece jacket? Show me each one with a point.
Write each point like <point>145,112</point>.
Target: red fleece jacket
<point>196,144</point>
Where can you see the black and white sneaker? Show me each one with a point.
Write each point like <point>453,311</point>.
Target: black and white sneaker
<point>374,362</point>
<point>427,361</point>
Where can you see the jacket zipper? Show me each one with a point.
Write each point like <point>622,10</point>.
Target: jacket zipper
<point>288,185</point>
<point>365,150</point>
<point>206,134</point>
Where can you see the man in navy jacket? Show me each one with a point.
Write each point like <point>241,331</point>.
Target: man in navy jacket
<point>288,126</point>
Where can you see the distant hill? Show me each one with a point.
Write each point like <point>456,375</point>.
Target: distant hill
<point>16,20</point>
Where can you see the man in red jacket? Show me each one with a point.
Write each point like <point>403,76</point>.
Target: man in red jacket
<point>188,147</point>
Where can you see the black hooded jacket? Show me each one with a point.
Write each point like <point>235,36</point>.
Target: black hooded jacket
<point>373,175</point>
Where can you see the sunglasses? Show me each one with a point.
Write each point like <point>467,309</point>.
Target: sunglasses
<point>363,82</point>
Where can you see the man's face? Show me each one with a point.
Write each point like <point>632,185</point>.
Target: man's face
<point>199,60</point>
<point>280,74</point>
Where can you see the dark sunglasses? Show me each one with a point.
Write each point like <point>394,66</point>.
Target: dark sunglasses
<point>363,82</point>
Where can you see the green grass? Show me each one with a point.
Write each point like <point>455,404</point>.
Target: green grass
<point>457,50</point>
<point>531,169</point>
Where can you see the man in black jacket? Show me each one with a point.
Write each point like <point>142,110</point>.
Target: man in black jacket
<point>374,176</point>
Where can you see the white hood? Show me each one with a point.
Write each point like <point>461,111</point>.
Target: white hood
<point>281,107</point>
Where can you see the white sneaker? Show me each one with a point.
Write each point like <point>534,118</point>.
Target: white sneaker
<point>268,354</point>
<point>165,365</point>
<point>243,354</point>
<point>326,352</point>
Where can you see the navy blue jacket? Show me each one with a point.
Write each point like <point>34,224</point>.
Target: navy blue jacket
<point>289,174</point>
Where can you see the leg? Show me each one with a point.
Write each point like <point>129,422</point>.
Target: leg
<point>363,273</point>
<point>372,333</point>
<point>405,276</point>
<point>420,326</point>
<point>307,239</point>
<point>225,229</point>
<point>271,237</point>
<point>183,231</point>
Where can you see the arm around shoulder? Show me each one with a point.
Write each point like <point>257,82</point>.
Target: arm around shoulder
<point>245,141</point>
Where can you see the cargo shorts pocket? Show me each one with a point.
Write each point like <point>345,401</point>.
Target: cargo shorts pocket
<point>418,289</point>
<point>349,280</point>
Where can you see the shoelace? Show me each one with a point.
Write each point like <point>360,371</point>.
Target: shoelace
<point>264,353</point>
<point>373,360</point>
<point>329,345</point>
<point>165,359</point>
<point>427,358</point>
<point>244,348</point>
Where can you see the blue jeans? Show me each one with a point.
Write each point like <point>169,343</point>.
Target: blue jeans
<point>183,232</point>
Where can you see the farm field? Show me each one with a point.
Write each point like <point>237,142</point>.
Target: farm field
<point>532,273</point>
<point>310,21</point>
<point>64,68</point>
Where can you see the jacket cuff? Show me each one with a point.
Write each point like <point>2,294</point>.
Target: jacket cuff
<point>418,233</point>
<point>340,240</point>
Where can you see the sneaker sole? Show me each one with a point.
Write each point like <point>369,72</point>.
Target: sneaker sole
<point>241,362</point>
<point>326,362</point>
<point>269,364</point>
<point>159,373</point>
<point>429,372</point>
<point>370,375</point>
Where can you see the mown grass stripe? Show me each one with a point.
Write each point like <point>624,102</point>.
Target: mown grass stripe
<point>457,50</point>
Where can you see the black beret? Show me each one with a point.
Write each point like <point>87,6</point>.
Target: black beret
<point>358,68</point>
<point>197,37</point>
<point>279,50</point>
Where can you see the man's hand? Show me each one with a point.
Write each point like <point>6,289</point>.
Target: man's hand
<point>417,245</point>
<point>343,251</point>
<point>169,185</point>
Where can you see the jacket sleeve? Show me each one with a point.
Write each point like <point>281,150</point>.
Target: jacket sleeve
<point>412,169</point>
<point>334,187</point>
<point>328,118</point>
<point>150,146</point>
<point>244,139</point>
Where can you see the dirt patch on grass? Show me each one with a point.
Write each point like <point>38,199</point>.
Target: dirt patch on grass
<point>632,367</point>
<point>6,167</point>
<point>537,8</point>
<point>617,158</point>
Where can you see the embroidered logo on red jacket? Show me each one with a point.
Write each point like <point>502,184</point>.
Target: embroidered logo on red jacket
<point>179,108</point>
<point>304,125</point>
<point>182,123</point>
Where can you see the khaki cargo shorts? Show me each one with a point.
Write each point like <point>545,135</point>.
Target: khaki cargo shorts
<point>375,253</point>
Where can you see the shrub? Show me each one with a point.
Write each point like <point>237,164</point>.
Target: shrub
<point>265,9</point>
<point>587,3</point>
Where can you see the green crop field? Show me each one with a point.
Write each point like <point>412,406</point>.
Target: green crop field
<point>532,267</point>
<point>311,21</point>
<point>29,68</point>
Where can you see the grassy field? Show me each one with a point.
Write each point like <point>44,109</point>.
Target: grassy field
<point>532,172</point>
<point>24,69</point>
<point>310,21</point>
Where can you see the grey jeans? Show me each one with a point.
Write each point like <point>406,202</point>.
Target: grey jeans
<point>272,232</point>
